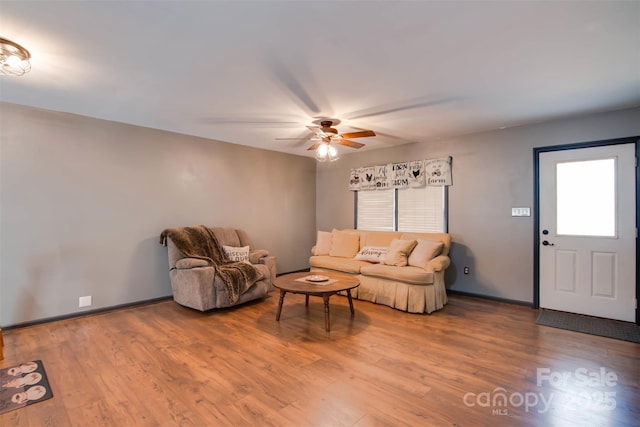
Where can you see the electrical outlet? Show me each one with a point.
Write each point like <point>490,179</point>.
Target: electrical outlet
<point>84,301</point>
<point>466,270</point>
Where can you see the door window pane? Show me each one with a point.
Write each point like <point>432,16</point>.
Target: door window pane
<point>586,192</point>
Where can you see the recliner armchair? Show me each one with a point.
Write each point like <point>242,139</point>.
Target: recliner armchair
<point>194,281</point>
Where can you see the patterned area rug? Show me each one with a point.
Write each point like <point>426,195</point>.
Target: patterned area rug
<point>22,385</point>
<point>590,325</point>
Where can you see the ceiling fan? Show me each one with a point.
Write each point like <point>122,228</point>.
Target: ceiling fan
<point>325,134</point>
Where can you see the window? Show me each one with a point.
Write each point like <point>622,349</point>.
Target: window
<point>409,209</point>
<point>375,210</point>
<point>421,209</point>
<point>586,198</point>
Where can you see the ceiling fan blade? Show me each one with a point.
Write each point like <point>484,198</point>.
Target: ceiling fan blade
<point>314,146</point>
<point>359,134</point>
<point>349,143</point>
<point>295,139</point>
<point>317,130</point>
<point>392,108</point>
<point>244,122</point>
<point>294,82</point>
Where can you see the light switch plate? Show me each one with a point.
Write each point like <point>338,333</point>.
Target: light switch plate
<point>521,211</point>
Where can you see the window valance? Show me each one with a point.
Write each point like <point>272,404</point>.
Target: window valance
<point>415,173</point>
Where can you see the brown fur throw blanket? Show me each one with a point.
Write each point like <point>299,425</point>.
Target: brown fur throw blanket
<point>200,242</point>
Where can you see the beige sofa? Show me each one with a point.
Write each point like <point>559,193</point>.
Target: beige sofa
<point>417,287</point>
<point>194,281</point>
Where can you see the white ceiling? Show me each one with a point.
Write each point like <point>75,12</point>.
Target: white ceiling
<point>249,72</point>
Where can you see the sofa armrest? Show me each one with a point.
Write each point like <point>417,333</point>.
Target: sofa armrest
<point>270,262</point>
<point>439,263</point>
<point>188,263</point>
<point>256,256</point>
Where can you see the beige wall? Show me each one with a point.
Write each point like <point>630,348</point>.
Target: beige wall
<point>492,172</point>
<point>83,202</point>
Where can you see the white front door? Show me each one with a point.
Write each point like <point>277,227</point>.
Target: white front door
<point>588,232</point>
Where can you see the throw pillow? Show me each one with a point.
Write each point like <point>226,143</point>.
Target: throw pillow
<point>344,244</point>
<point>236,254</point>
<point>372,253</point>
<point>398,252</point>
<point>323,243</point>
<point>425,251</point>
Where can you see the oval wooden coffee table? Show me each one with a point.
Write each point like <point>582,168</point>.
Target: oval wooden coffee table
<point>295,283</point>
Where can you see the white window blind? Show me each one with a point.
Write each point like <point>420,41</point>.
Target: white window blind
<point>421,209</point>
<point>418,209</point>
<point>376,210</point>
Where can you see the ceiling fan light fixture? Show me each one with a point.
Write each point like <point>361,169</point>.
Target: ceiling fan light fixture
<point>333,154</point>
<point>326,151</point>
<point>14,59</point>
<point>322,151</point>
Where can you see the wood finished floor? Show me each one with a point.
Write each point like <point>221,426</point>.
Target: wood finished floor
<point>165,365</point>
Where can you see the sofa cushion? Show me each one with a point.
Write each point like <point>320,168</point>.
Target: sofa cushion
<point>379,238</point>
<point>343,244</point>
<point>323,243</point>
<point>408,274</point>
<point>372,253</point>
<point>398,252</point>
<point>244,238</point>
<point>425,251</point>
<point>346,265</point>
<point>263,271</point>
<point>227,236</point>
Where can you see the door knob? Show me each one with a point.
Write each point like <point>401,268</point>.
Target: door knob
<point>546,243</point>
